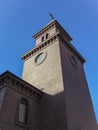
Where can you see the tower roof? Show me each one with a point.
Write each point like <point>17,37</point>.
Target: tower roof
<point>59,32</point>
<point>53,22</point>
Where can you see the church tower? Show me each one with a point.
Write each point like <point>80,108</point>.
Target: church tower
<point>55,67</point>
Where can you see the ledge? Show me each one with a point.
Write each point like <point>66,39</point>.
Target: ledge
<point>8,79</point>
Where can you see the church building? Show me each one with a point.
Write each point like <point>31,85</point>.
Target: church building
<point>53,93</point>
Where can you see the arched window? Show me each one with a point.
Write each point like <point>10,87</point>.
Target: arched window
<point>47,36</point>
<point>22,111</point>
<point>42,38</point>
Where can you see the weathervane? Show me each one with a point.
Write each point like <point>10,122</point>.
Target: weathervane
<point>51,16</point>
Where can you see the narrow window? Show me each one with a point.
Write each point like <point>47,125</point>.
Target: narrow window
<point>22,111</point>
<point>42,38</point>
<point>47,36</point>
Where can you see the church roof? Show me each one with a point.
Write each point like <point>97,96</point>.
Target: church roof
<point>21,86</point>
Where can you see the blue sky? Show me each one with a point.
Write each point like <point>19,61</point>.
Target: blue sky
<point>20,19</point>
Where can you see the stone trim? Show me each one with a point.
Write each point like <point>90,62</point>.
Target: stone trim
<point>72,48</point>
<point>26,103</point>
<point>20,87</point>
<point>46,28</point>
<point>49,26</point>
<point>46,43</point>
<point>40,47</point>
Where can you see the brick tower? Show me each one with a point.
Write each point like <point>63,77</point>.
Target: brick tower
<point>55,67</point>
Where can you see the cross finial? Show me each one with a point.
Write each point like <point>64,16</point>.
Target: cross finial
<point>51,16</point>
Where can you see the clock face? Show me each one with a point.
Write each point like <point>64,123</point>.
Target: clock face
<point>40,58</point>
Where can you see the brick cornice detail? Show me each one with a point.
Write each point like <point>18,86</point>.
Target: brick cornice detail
<point>19,86</point>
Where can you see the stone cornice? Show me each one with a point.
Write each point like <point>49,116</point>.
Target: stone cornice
<point>63,32</point>
<point>39,47</point>
<point>46,28</point>
<point>10,80</point>
<point>72,48</point>
<point>49,26</point>
<point>51,40</point>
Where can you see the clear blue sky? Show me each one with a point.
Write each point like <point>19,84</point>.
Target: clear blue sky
<point>20,19</point>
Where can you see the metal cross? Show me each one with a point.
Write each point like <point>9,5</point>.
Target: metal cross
<point>51,16</point>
